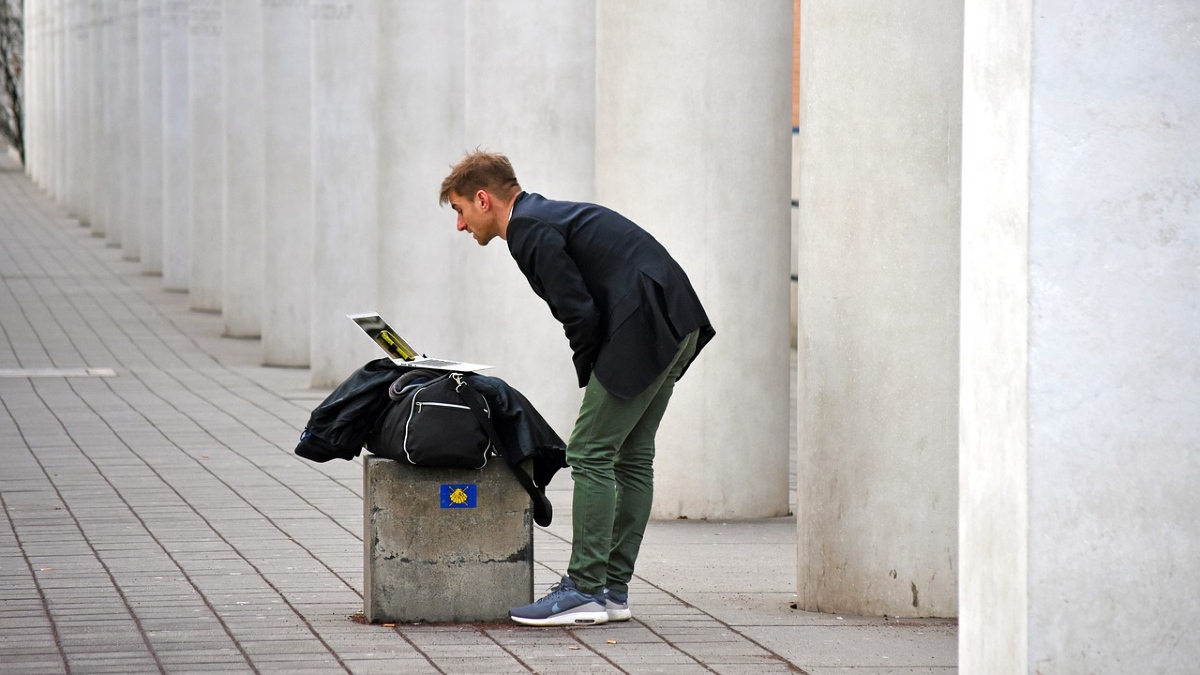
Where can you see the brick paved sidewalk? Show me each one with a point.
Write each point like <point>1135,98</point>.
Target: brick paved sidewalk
<point>156,520</point>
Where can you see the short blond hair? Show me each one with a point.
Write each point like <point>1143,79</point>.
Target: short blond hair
<point>487,171</point>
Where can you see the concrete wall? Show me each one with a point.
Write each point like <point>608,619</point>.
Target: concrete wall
<point>1080,385</point>
<point>878,307</point>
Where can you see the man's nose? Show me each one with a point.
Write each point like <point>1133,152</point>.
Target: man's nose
<point>462,224</point>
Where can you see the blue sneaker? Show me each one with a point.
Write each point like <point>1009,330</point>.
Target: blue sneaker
<point>616,605</point>
<point>564,606</point>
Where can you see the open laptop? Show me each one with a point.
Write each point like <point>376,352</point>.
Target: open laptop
<point>401,353</point>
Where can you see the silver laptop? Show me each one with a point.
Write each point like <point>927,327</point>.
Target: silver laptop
<point>400,352</point>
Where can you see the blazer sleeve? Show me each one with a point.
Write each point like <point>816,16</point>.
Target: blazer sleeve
<point>541,253</point>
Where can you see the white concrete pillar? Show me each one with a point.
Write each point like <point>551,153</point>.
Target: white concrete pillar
<point>70,108</point>
<point>208,153</point>
<point>693,129</point>
<point>30,15</point>
<point>40,78</point>
<point>130,132</point>
<point>150,115</point>
<point>242,288</point>
<point>114,151</point>
<point>98,161</point>
<point>288,197</point>
<point>421,110</point>
<point>47,113</point>
<point>345,101</point>
<point>177,147</point>
<point>44,79</point>
<point>1080,320</point>
<point>878,306</point>
<point>79,54</point>
<point>62,158</point>
<point>45,98</point>
<point>530,93</point>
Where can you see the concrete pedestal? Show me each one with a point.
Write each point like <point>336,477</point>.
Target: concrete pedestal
<point>432,553</point>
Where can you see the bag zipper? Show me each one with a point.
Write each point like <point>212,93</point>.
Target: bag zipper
<point>418,405</point>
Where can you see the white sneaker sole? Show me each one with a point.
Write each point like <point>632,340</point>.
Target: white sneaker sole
<point>619,614</point>
<point>589,618</point>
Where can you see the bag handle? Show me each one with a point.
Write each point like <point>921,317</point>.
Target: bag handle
<point>543,513</point>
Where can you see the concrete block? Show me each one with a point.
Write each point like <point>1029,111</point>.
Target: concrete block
<point>434,553</point>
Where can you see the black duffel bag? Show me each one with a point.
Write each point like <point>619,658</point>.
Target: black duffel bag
<point>441,420</point>
<point>430,423</point>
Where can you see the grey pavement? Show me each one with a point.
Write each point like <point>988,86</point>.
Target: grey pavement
<point>155,518</point>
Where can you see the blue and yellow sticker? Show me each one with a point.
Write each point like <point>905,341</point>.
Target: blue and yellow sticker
<point>458,496</point>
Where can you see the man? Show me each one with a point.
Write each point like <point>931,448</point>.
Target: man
<point>634,324</point>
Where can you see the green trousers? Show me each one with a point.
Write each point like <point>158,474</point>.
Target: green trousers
<point>611,454</point>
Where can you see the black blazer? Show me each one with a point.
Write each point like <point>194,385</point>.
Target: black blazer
<point>623,301</point>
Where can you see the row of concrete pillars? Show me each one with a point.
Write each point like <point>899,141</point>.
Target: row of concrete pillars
<point>280,162</point>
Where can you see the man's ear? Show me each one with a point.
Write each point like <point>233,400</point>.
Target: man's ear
<point>484,199</point>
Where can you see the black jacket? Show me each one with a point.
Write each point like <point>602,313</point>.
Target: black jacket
<point>338,427</point>
<point>623,301</point>
<point>522,429</point>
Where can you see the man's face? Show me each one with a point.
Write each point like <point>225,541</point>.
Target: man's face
<point>476,216</point>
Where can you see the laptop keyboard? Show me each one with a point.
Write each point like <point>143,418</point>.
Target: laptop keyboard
<point>436,363</point>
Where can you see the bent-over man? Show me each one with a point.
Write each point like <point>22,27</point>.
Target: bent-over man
<point>635,324</point>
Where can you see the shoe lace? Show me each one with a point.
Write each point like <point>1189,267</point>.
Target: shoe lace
<point>557,590</point>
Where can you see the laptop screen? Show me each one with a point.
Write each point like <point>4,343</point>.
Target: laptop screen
<point>382,333</point>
